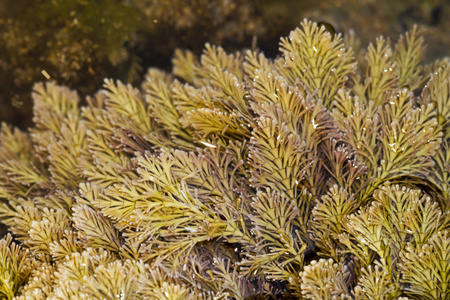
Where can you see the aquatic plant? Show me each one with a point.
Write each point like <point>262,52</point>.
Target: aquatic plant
<point>307,176</point>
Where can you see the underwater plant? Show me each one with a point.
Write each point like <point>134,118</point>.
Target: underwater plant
<point>314,175</point>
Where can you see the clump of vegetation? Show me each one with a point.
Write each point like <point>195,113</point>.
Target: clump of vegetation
<point>308,176</point>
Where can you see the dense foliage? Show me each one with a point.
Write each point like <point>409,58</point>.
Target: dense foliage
<point>316,175</point>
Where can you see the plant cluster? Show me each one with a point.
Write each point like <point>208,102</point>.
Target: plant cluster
<point>315,175</point>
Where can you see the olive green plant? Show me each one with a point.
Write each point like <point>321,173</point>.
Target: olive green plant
<point>308,176</point>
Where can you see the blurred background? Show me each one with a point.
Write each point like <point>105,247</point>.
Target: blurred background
<point>80,42</point>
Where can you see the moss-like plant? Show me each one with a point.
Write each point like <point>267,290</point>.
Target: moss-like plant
<point>309,176</point>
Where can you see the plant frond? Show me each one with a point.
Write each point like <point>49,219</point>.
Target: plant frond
<point>381,71</point>
<point>318,59</point>
<point>325,279</point>
<point>52,104</point>
<point>16,265</point>
<point>408,55</point>
<point>96,230</point>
